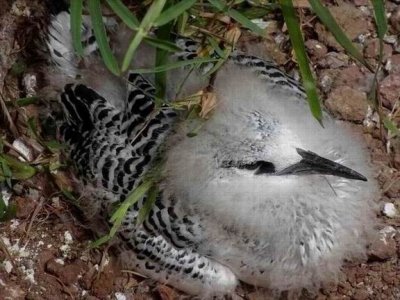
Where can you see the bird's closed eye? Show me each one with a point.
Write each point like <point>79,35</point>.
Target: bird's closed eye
<point>259,166</point>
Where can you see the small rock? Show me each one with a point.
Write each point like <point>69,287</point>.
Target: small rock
<point>326,82</point>
<point>316,49</point>
<point>67,274</point>
<point>389,210</point>
<point>396,160</point>
<point>390,90</point>
<point>25,206</point>
<point>393,64</point>
<point>360,295</point>
<point>260,295</point>
<point>361,2</point>
<point>389,277</point>
<point>7,266</point>
<point>350,18</point>
<point>12,291</point>
<point>395,19</point>
<point>389,179</point>
<point>103,286</point>
<point>348,103</point>
<point>371,50</point>
<point>87,278</point>
<point>384,246</point>
<point>120,296</point>
<point>352,76</point>
<point>53,267</point>
<point>334,60</point>
<point>70,274</point>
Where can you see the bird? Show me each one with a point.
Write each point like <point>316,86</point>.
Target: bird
<point>261,194</point>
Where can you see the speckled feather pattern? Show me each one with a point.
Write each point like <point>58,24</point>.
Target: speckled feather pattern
<point>212,225</point>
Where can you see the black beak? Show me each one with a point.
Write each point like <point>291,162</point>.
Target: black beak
<point>312,163</point>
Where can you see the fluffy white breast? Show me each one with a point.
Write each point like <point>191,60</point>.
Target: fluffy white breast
<point>285,226</point>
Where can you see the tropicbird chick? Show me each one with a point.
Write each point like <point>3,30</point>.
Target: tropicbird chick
<point>262,193</point>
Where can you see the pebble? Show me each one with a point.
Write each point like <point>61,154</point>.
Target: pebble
<point>389,210</point>
<point>348,103</point>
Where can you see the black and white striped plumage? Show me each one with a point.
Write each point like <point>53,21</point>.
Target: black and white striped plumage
<point>218,218</point>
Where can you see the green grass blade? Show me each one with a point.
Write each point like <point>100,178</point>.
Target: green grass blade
<point>380,17</point>
<point>237,16</point>
<point>5,171</point>
<point>3,207</point>
<point>328,20</point>
<point>27,101</point>
<point>214,44</point>
<point>14,168</point>
<point>298,45</point>
<point>10,212</point>
<point>391,126</point>
<point>182,23</point>
<point>162,58</point>
<point>124,13</point>
<point>162,44</point>
<point>175,65</point>
<point>152,14</point>
<point>381,25</point>
<point>245,22</point>
<point>258,12</point>
<point>147,206</point>
<point>101,36</point>
<point>122,210</point>
<point>76,25</point>
<point>173,12</point>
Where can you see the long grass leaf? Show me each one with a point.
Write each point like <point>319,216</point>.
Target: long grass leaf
<point>3,207</point>
<point>15,168</point>
<point>380,17</point>
<point>5,172</point>
<point>162,44</point>
<point>391,126</point>
<point>152,14</point>
<point>175,65</point>
<point>101,36</point>
<point>237,16</point>
<point>245,22</point>
<point>27,101</point>
<point>124,13</point>
<point>329,21</point>
<point>122,210</point>
<point>76,25</point>
<point>298,45</point>
<point>381,25</point>
<point>135,196</point>
<point>162,58</point>
<point>173,12</point>
<point>147,206</point>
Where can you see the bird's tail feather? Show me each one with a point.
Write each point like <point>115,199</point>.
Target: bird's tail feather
<point>60,43</point>
<point>188,271</point>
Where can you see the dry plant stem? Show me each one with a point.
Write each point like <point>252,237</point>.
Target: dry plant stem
<point>209,33</point>
<point>134,273</point>
<point>208,15</point>
<point>7,117</point>
<point>4,248</point>
<point>34,214</point>
<point>65,290</point>
<point>104,256</point>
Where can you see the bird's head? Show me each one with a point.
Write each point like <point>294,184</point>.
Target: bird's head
<point>263,143</point>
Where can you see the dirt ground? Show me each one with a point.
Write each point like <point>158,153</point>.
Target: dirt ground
<point>44,251</point>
